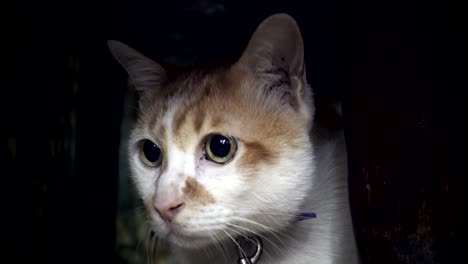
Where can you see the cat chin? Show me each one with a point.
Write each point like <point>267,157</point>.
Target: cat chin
<point>188,241</point>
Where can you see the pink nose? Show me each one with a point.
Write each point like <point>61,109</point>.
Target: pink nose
<point>168,211</point>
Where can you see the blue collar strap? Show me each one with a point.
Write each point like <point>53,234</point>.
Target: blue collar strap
<point>305,216</point>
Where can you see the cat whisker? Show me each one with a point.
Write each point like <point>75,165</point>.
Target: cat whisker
<point>274,232</point>
<point>157,246</point>
<point>267,210</point>
<point>215,241</point>
<point>219,245</point>
<point>271,230</point>
<point>152,248</point>
<point>248,238</point>
<point>235,242</point>
<point>270,216</point>
<point>207,251</point>
<point>275,220</point>
<point>148,237</point>
<point>139,242</point>
<point>255,233</point>
<point>257,212</point>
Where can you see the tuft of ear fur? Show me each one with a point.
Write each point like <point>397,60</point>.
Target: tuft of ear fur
<point>144,74</point>
<point>275,54</point>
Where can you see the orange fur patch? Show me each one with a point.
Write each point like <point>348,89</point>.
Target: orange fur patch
<point>216,121</point>
<point>256,153</point>
<point>178,120</point>
<point>197,192</point>
<point>198,120</point>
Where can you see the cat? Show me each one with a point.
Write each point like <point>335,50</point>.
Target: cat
<point>232,153</point>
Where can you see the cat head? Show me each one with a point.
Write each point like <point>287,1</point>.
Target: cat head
<point>223,153</point>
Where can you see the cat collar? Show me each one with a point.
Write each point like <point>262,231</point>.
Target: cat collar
<point>254,243</point>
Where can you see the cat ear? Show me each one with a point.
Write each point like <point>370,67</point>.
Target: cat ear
<point>144,73</point>
<point>275,53</point>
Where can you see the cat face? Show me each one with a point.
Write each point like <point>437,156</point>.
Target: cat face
<point>219,154</point>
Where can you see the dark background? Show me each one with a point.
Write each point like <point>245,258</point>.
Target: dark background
<point>392,63</point>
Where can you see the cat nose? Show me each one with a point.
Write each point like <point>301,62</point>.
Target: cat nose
<point>168,211</point>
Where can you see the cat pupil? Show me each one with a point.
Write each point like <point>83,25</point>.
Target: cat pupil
<point>151,151</point>
<point>220,146</point>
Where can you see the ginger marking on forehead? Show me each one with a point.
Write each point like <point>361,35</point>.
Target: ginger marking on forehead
<point>199,117</point>
<point>191,109</point>
<point>216,121</point>
<point>161,132</point>
<point>196,87</point>
<point>256,153</point>
<point>196,191</point>
<point>179,119</point>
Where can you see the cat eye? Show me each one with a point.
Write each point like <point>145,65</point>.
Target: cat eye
<point>150,153</point>
<point>220,149</point>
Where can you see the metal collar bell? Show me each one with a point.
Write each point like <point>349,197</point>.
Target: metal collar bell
<point>250,249</point>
